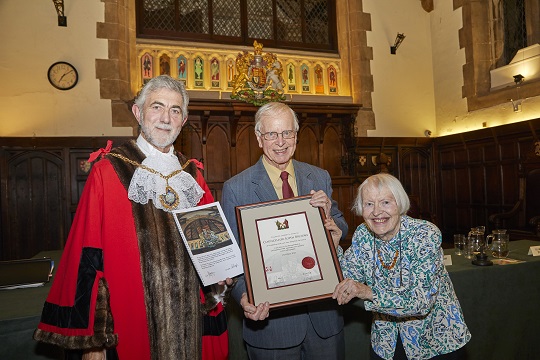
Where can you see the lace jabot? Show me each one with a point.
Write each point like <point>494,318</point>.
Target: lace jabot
<point>145,185</point>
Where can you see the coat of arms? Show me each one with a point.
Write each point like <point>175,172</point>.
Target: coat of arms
<point>258,79</point>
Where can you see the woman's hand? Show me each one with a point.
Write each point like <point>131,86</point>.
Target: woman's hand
<point>348,289</point>
<point>319,199</point>
<point>336,232</point>
<point>259,312</point>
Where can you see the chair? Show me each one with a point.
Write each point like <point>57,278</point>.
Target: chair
<point>523,220</point>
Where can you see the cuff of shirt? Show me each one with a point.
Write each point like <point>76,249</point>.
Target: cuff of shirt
<point>370,304</point>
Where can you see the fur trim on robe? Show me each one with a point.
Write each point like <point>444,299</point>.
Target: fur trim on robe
<point>173,309</point>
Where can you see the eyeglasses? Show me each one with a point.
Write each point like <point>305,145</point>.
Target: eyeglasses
<point>272,135</point>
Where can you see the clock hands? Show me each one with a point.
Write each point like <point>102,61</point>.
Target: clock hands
<point>61,77</point>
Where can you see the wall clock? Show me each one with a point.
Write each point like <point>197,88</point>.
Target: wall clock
<point>63,75</point>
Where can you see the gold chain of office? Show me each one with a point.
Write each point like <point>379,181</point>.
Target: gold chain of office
<point>170,199</point>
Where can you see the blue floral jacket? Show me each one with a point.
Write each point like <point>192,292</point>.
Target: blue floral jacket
<point>415,298</point>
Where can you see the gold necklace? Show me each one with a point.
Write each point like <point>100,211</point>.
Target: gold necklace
<point>170,199</point>
<point>391,266</point>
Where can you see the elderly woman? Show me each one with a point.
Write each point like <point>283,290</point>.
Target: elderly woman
<point>395,264</point>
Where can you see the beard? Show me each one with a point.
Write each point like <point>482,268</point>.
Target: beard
<point>156,136</point>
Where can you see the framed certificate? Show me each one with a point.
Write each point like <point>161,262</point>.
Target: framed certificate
<point>289,256</point>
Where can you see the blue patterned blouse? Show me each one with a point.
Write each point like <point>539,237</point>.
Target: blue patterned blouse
<point>415,298</point>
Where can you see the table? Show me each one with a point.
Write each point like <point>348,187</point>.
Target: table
<point>20,311</point>
<point>500,304</point>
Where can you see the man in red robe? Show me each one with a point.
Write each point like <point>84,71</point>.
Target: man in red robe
<point>126,287</point>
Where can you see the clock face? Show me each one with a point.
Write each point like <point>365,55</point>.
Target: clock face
<point>63,75</point>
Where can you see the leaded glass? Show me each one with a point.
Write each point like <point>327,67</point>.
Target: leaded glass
<point>316,22</point>
<point>289,20</point>
<point>159,14</point>
<point>194,16</point>
<point>515,30</point>
<point>293,24</point>
<point>227,20</point>
<point>260,19</point>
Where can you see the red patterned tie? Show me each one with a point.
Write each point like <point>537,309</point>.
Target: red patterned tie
<point>286,188</point>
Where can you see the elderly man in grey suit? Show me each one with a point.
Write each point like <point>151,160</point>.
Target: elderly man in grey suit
<point>309,331</point>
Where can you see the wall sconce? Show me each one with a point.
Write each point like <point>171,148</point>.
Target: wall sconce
<point>397,42</point>
<point>518,79</point>
<point>59,6</point>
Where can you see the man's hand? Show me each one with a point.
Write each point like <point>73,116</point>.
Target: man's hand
<point>319,199</point>
<point>95,354</point>
<point>227,281</point>
<point>259,312</point>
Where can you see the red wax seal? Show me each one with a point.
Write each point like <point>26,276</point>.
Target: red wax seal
<point>308,262</point>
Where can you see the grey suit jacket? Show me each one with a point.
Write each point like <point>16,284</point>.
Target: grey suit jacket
<point>284,327</point>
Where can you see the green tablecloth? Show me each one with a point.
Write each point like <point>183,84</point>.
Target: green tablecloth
<point>500,304</point>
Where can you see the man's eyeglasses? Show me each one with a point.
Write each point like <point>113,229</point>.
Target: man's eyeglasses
<point>272,135</point>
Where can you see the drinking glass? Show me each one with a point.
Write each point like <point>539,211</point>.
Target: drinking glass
<point>459,243</point>
<point>468,250</point>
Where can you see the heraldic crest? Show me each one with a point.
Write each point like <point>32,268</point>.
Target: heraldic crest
<point>258,77</point>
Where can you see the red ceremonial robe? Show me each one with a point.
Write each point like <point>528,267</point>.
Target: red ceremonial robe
<point>103,253</point>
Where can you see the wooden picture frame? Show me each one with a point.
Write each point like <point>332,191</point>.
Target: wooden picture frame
<point>289,256</point>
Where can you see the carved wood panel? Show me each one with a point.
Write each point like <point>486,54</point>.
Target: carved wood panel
<point>480,174</point>
<point>33,191</point>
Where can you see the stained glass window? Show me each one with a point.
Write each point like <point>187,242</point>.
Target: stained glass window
<point>293,24</point>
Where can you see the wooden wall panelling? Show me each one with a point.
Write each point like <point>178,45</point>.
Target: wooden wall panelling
<point>217,154</point>
<point>189,142</point>
<point>219,133</point>
<point>247,151</point>
<point>332,155</point>
<point>41,183</point>
<point>416,175</point>
<point>455,189</point>
<point>368,157</point>
<point>481,173</point>
<point>53,169</point>
<point>34,201</point>
<point>344,192</point>
<point>518,158</point>
<point>4,213</point>
<point>307,147</point>
<point>409,159</point>
<point>79,168</point>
